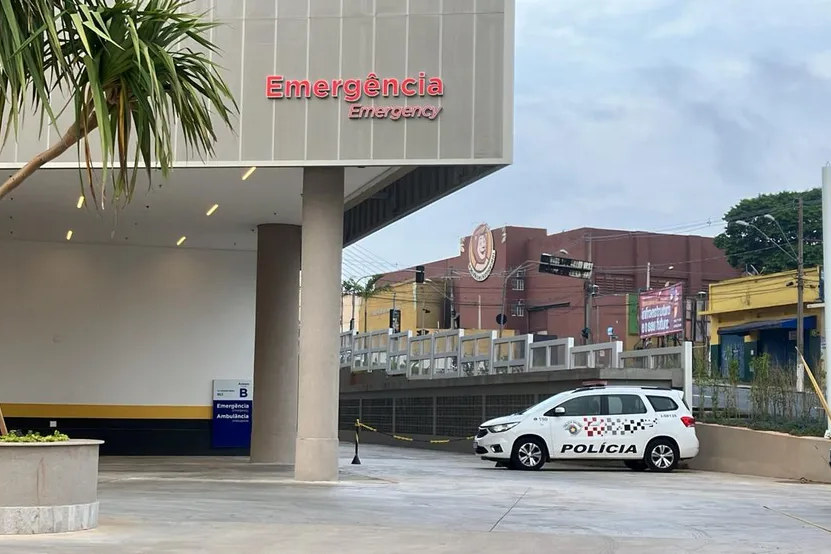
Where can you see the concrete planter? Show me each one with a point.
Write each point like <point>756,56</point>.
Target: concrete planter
<point>48,487</point>
<point>762,453</point>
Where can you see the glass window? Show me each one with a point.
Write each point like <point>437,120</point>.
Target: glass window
<point>662,403</point>
<point>622,404</point>
<point>582,406</point>
<point>519,284</point>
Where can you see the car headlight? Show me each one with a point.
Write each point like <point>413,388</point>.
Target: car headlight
<point>502,427</point>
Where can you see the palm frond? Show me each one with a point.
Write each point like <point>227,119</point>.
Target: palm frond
<point>124,65</point>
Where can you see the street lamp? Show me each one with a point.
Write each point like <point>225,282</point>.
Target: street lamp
<point>797,257</point>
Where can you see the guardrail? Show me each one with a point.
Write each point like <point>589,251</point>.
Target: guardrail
<point>510,354</point>
<point>550,355</point>
<point>452,354</point>
<point>476,353</point>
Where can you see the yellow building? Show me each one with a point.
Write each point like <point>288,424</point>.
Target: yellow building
<point>755,315</point>
<point>422,306</point>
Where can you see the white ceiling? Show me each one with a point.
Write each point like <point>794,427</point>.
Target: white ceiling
<point>44,208</point>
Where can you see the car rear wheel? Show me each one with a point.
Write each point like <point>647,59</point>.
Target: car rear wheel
<point>529,454</point>
<point>636,465</point>
<point>661,456</point>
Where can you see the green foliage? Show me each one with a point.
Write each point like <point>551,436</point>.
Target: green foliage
<point>366,290</point>
<point>731,395</point>
<point>31,436</point>
<point>802,427</point>
<point>369,289</point>
<point>129,70</point>
<point>774,403</point>
<point>746,246</point>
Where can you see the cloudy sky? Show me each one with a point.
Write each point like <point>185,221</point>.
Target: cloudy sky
<point>652,115</point>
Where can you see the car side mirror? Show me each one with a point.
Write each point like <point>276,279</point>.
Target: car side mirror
<point>559,410</point>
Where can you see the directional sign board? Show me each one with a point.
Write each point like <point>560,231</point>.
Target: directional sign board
<point>566,267</point>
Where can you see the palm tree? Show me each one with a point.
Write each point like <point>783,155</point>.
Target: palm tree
<point>365,291</point>
<point>127,71</point>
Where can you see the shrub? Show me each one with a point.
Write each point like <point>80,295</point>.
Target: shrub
<point>31,436</point>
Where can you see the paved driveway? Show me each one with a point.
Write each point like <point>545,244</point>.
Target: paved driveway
<point>407,500</point>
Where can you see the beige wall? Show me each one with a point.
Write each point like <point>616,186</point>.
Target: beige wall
<point>762,453</point>
<point>346,313</point>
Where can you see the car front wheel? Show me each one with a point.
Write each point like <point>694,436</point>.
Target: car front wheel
<point>661,456</point>
<point>529,454</point>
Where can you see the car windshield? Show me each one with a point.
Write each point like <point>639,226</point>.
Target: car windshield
<point>550,400</point>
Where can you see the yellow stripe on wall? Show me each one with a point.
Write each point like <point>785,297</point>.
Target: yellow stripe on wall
<point>103,411</point>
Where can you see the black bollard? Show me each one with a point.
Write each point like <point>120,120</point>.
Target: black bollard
<point>356,460</point>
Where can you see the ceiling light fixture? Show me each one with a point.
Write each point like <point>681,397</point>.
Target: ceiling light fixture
<point>80,202</point>
<point>248,173</point>
<point>69,235</point>
<point>213,209</point>
<point>181,240</point>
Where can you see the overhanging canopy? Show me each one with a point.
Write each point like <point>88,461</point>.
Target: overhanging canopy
<point>809,322</point>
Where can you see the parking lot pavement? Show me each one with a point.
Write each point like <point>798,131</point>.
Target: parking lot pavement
<point>408,500</point>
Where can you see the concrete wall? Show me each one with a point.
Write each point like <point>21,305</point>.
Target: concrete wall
<point>48,487</point>
<point>116,325</point>
<point>762,453</point>
<point>467,43</point>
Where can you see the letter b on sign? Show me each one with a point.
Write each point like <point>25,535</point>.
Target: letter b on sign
<point>243,393</point>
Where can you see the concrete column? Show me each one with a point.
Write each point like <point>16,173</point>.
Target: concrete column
<point>274,426</point>
<point>317,424</point>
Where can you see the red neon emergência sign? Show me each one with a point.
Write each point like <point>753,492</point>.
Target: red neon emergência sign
<point>355,90</point>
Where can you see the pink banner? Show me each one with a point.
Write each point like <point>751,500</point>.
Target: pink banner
<point>660,311</point>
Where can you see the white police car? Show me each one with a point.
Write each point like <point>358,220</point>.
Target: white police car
<point>645,427</point>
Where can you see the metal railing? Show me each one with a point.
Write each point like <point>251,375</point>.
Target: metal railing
<point>421,357</point>
<point>452,354</point>
<point>550,355</point>
<point>605,355</point>
<point>399,350</point>
<point>510,354</point>
<point>370,351</point>
<point>347,341</point>
<point>476,353</point>
<point>446,353</point>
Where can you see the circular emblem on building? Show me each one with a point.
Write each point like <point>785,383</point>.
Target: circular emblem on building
<point>481,253</point>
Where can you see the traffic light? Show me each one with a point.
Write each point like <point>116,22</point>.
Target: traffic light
<point>395,320</point>
<point>419,274</point>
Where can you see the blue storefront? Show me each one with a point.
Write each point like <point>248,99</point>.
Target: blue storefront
<point>774,337</point>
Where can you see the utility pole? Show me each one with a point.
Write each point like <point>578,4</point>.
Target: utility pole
<point>800,286</point>
<point>452,306</point>
<point>648,274</point>
<point>826,263</point>
<point>352,321</point>
<point>502,306</point>
<point>587,318</point>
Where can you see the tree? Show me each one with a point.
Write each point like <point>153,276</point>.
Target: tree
<point>748,249</point>
<point>127,69</point>
<point>366,291</point>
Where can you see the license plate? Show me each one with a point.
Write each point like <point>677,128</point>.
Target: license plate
<point>475,445</point>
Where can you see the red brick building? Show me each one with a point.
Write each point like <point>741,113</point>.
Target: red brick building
<point>548,304</point>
